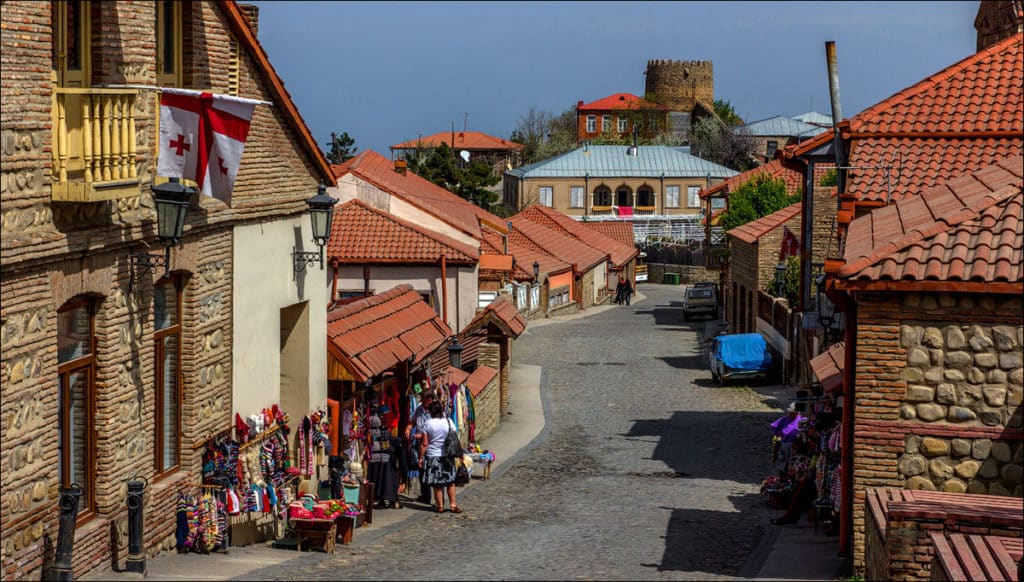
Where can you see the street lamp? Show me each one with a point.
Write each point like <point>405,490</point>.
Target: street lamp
<point>172,200</point>
<point>455,354</point>
<point>536,271</point>
<point>826,309</point>
<point>321,215</point>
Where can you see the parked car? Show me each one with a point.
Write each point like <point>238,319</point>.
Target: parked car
<point>700,299</point>
<point>740,356</point>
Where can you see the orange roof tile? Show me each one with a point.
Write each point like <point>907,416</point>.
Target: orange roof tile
<point>949,123</point>
<point>502,314</point>
<point>563,247</point>
<point>464,140</point>
<point>794,178</point>
<point>495,262</point>
<point>620,101</point>
<point>969,229</point>
<point>620,230</point>
<point>754,230</point>
<point>375,334</point>
<point>239,25</point>
<point>525,252</point>
<point>828,366</point>
<point>361,234</point>
<point>555,220</point>
<point>479,379</point>
<point>420,192</point>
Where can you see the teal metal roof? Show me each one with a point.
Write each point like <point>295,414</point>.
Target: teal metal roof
<point>612,161</point>
<point>781,126</point>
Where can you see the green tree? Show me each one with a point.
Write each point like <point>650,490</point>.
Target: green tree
<point>757,197</point>
<point>544,134</point>
<point>468,180</point>
<point>791,280</point>
<point>727,113</point>
<point>829,179</point>
<point>341,148</point>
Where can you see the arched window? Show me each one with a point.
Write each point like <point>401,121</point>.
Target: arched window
<point>602,196</point>
<point>645,196</point>
<point>623,196</point>
<point>76,399</point>
<point>167,303</point>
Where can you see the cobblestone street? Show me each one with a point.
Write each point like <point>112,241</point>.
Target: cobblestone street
<point>645,469</point>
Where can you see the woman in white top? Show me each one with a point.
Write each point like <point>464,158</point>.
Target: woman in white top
<point>439,470</point>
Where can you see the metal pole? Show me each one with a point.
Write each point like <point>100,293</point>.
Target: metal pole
<point>837,113</point>
<point>807,248</point>
<point>136,562</point>
<point>69,498</point>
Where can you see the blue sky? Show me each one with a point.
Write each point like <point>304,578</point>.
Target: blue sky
<point>386,72</point>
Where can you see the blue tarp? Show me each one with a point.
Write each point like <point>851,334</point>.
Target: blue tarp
<point>744,351</point>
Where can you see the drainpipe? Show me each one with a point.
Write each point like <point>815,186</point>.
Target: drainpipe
<point>586,194</point>
<point>664,209</point>
<point>366,280</point>
<point>846,458</point>
<point>444,289</point>
<point>837,113</point>
<point>807,222</point>
<point>61,568</point>
<point>334,285</point>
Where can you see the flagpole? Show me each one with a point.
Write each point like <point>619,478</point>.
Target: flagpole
<point>177,90</point>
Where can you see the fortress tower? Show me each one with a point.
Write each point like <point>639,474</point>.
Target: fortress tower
<point>678,85</point>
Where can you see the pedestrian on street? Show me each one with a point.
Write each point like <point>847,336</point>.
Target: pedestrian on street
<point>439,470</point>
<point>414,431</point>
<point>626,289</point>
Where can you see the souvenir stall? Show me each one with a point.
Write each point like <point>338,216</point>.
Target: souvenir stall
<point>805,455</point>
<point>252,472</point>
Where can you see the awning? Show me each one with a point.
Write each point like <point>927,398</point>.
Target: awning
<point>828,367</point>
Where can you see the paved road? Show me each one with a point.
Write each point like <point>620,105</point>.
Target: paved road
<point>645,470</point>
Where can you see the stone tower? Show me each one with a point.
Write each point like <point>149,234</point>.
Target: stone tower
<point>998,20</point>
<point>678,85</point>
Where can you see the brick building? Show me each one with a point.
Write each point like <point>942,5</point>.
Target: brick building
<point>934,372</point>
<point>500,154</point>
<point>100,381</point>
<point>618,115</point>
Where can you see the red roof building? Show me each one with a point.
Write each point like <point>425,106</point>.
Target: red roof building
<point>619,230</point>
<point>375,334</point>
<point>618,114</point>
<point>500,154</point>
<point>621,254</point>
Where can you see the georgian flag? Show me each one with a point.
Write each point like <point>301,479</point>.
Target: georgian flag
<point>790,244</point>
<point>202,136</point>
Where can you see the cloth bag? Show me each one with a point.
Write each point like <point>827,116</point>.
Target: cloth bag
<point>452,448</point>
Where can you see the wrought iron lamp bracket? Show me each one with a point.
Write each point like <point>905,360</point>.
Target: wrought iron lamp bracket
<point>304,259</point>
<point>142,263</point>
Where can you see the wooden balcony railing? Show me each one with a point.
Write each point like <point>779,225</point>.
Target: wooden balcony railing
<point>601,210</point>
<point>94,155</point>
<point>644,210</point>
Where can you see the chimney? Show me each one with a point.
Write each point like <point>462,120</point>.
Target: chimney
<point>252,14</point>
<point>400,166</point>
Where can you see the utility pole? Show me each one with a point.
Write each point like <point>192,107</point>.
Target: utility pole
<point>465,121</point>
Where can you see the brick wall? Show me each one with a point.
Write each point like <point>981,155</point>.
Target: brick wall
<point>743,269</point>
<point>53,252</point>
<point>587,289</point>
<point>486,407</point>
<point>823,242</point>
<point>688,274</point>
<point>938,397</point>
<point>678,85</point>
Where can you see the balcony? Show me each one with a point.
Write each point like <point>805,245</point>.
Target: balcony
<point>601,210</point>
<point>644,210</point>
<point>94,156</point>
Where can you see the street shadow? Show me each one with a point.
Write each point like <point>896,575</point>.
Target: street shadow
<point>684,362</point>
<point>694,538</point>
<point>671,314</point>
<point>700,443</point>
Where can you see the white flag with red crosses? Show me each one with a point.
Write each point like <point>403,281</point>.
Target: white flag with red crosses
<point>202,136</point>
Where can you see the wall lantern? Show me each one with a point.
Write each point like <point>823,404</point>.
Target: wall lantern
<point>827,316</point>
<point>455,354</point>
<point>172,200</point>
<point>780,278</point>
<point>536,271</point>
<point>321,215</point>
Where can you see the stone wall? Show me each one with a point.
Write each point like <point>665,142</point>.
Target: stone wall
<point>486,406</point>
<point>52,253</point>
<point>678,85</point>
<point>938,396</point>
<point>688,274</point>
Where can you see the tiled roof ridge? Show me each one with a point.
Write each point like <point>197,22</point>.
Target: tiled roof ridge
<point>632,101</point>
<point>967,212</point>
<point>755,229</point>
<point>347,309</point>
<point>571,226</point>
<point>528,241</point>
<point>239,24</point>
<point>440,136</point>
<point>439,238</point>
<point>934,79</point>
<point>771,169</point>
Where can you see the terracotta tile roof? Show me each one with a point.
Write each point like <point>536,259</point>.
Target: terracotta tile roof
<point>620,230</point>
<point>565,248</point>
<point>977,557</point>
<point>361,234</point>
<point>970,229</point>
<point>479,379</point>
<point>501,313</point>
<point>620,101</point>
<point>828,366</point>
<point>754,230</point>
<point>794,178</point>
<point>495,262</point>
<point>239,25</point>
<point>952,122</point>
<point>555,220</point>
<point>525,252</point>
<point>374,334</point>
<point>464,140</point>
<point>420,192</point>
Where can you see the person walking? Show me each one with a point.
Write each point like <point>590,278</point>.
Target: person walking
<point>627,290</point>
<point>414,432</point>
<point>439,470</point>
